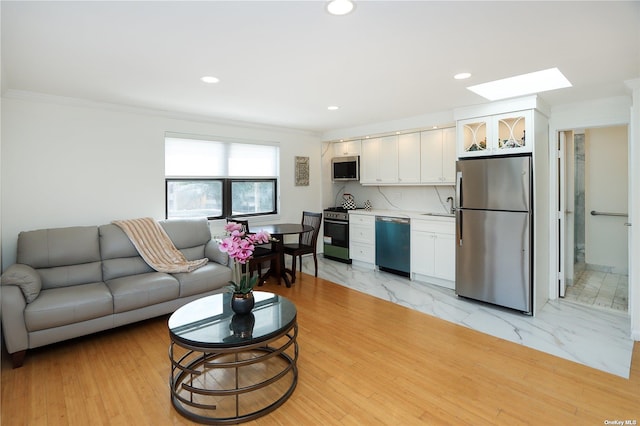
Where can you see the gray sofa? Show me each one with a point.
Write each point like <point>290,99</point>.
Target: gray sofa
<point>74,281</point>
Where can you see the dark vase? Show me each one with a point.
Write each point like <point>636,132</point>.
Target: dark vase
<point>242,303</point>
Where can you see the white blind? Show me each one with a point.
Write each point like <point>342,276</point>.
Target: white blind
<point>204,158</point>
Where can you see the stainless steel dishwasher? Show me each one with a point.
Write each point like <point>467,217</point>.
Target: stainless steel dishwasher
<point>393,245</point>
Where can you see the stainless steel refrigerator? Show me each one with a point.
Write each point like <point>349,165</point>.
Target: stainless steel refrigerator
<point>494,219</point>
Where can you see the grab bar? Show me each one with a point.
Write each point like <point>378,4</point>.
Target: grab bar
<point>595,213</point>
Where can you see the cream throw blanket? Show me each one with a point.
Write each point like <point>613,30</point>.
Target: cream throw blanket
<point>155,246</point>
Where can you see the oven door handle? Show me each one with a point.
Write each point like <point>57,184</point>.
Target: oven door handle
<point>337,222</point>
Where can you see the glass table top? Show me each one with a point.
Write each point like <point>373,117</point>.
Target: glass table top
<point>209,322</point>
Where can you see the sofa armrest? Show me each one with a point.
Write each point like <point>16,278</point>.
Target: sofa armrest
<point>24,277</point>
<point>14,329</point>
<point>212,251</point>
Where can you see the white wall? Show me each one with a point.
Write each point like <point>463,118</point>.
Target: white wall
<point>67,163</point>
<point>606,191</point>
<point>634,208</point>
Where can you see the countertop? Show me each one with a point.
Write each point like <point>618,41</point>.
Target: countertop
<point>413,215</point>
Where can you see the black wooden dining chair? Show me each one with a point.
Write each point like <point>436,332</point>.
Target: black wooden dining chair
<point>306,243</point>
<point>262,253</point>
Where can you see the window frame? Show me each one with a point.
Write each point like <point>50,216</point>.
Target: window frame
<point>227,195</point>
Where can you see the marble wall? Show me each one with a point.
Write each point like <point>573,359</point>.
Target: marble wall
<point>579,200</point>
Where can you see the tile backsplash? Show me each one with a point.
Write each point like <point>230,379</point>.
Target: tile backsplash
<point>409,198</point>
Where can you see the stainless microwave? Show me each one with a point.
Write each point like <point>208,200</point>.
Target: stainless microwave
<point>345,168</point>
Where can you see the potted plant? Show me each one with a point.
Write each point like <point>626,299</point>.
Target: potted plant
<point>239,245</point>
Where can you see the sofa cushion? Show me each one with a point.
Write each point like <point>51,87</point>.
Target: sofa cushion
<point>114,242</point>
<point>212,251</point>
<point>71,275</point>
<point>62,256</point>
<point>188,233</point>
<point>137,291</point>
<point>25,277</point>
<point>120,256</point>
<point>122,267</point>
<point>68,305</point>
<point>211,276</point>
<point>47,248</point>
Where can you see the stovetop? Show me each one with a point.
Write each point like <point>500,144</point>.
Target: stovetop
<point>336,209</point>
<point>341,209</point>
<point>337,213</point>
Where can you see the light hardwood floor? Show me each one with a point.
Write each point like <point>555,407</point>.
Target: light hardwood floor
<point>363,361</point>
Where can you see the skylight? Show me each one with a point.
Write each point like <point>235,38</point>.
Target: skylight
<point>525,84</point>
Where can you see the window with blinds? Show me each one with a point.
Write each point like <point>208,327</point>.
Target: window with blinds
<point>220,179</point>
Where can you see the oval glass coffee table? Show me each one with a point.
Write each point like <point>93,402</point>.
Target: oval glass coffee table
<point>228,368</point>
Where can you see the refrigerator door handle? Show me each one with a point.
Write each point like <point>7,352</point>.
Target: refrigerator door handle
<point>457,207</point>
<point>458,190</point>
<point>459,226</point>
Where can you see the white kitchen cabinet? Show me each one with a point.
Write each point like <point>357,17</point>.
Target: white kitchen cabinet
<point>438,156</point>
<point>445,256</point>
<point>369,161</point>
<point>502,134</point>
<point>409,158</point>
<point>379,161</point>
<point>362,238</point>
<point>391,160</point>
<point>433,251</point>
<point>346,148</point>
<point>449,156</point>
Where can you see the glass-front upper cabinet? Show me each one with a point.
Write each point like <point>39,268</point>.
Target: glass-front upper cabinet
<point>496,135</point>
<point>473,136</point>
<point>512,132</point>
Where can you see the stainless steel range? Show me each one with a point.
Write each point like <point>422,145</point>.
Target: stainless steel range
<point>336,234</point>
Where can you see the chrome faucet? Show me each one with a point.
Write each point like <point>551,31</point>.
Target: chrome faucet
<point>452,208</point>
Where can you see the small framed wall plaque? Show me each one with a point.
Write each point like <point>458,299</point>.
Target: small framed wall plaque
<point>302,171</point>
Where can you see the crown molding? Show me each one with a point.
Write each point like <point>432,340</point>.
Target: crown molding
<point>122,108</point>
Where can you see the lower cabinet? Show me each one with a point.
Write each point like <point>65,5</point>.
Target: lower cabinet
<point>433,254</point>
<point>362,238</point>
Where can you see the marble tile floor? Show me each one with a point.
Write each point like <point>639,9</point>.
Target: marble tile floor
<point>600,289</point>
<point>594,337</point>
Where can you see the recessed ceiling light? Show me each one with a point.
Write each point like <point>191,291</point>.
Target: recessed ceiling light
<point>525,84</point>
<point>210,79</point>
<point>462,75</point>
<point>333,108</point>
<point>340,7</point>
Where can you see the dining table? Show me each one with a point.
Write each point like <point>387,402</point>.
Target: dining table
<point>278,231</point>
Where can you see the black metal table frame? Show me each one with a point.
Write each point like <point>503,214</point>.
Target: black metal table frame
<point>182,375</point>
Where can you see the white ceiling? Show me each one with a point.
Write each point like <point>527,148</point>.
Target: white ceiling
<point>283,63</point>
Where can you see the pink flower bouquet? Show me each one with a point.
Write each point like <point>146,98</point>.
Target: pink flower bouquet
<point>240,246</point>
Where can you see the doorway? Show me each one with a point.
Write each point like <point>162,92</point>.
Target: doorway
<point>593,206</point>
